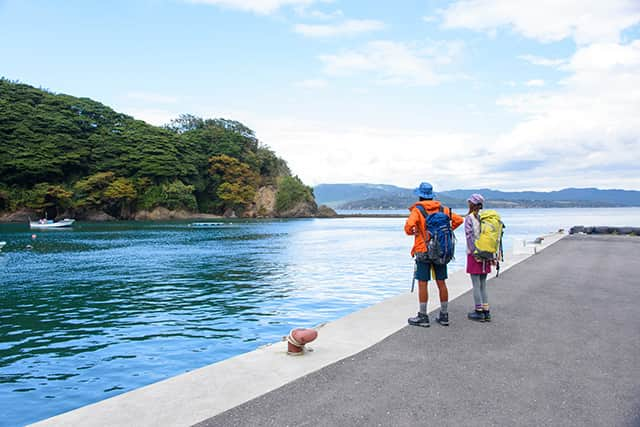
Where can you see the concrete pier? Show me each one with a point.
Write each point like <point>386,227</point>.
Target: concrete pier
<point>563,349</point>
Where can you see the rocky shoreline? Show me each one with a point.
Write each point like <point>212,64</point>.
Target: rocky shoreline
<point>164,214</point>
<point>263,206</point>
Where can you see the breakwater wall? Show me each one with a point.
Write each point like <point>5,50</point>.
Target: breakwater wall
<point>577,229</point>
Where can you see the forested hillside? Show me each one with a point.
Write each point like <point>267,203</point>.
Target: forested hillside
<point>62,154</point>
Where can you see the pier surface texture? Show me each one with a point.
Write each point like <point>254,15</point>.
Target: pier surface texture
<point>562,349</point>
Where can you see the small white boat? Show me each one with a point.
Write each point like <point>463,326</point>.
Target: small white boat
<point>2,245</point>
<point>49,223</point>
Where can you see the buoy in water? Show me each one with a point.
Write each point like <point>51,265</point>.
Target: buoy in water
<point>33,236</point>
<point>298,338</point>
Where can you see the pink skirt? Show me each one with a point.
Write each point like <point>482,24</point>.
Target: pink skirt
<point>477,267</point>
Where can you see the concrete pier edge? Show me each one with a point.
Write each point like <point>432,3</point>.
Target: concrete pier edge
<point>200,394</point>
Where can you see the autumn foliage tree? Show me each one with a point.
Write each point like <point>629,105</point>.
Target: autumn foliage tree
<point>236,181</point>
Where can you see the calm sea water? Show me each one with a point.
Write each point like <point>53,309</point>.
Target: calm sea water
<point>104,308</point>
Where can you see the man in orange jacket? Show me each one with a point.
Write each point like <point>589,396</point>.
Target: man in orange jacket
<point>416,226</point>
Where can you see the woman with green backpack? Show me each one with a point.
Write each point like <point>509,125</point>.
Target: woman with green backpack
<point>477,267</point>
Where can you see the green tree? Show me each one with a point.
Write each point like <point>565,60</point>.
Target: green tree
<point>78,143</point>
<point>185,123</point>
<point>49,199</point>
<point>90,191</point>
<point>151,197</point>
<point>119,196</point>
<point>177,195</point>
<point>292,191</point>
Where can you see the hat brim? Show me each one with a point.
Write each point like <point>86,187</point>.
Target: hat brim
<point>424,195</point>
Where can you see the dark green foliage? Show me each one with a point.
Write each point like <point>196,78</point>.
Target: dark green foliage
<point>118,164</point>
<point>91,189</point>
<point>119,197</point>
<point>177,195</point>
<point>151,198</point>
<point>49,199</point>
<point>4,200</point>
<point>292,191</point>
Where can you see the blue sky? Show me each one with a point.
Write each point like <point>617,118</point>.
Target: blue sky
<point>510,95</point>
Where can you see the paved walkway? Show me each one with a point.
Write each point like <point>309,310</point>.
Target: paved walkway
<point>563,349</point>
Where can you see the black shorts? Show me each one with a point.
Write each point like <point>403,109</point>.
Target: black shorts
<point>423,271</point>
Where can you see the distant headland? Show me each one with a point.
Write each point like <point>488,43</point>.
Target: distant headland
<point>380,196</point>
<point>63,156</point>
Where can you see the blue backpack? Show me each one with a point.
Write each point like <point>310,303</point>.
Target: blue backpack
<point>441,241</point>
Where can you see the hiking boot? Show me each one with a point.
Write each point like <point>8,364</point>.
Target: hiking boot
<point>443,319</point>
<point>487,315</point>
<point>477,315</point>
<point>420,320</point>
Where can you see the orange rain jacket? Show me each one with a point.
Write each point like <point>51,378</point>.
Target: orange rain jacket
<point>418,221</point>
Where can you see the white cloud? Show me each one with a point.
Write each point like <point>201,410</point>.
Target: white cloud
<point>256,6</point>
<point>545,62</point>
<point>304,12</point>
<point>394,62</point>
<point>312,84</point>
<point>606,56</point>
<point>585,21</point>
<point>587,132</point>
<point>583,133</point>
<point>348,27</point>
<point>535,83</point>
<point>325,153</point>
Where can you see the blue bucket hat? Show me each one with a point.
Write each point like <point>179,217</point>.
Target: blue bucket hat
<point>425,190</point>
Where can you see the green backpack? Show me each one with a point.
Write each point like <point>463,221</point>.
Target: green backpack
<point>488,245</point>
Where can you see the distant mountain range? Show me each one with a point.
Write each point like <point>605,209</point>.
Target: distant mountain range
<point>380,196</point>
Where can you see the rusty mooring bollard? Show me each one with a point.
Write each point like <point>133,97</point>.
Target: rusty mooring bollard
<point>298,338</point>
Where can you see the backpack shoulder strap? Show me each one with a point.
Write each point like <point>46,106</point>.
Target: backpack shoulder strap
<point>441,209</point>
<point>425,215</point>
<point>450,214</point>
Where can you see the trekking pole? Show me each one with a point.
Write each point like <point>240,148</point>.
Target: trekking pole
<point>499,258</point>
<point>413,281</point>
